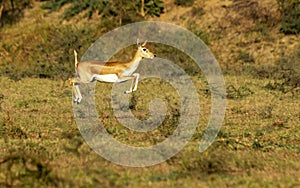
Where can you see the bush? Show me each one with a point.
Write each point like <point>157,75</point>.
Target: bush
<point>290,16</point>
<point>154,7</point>
<point>125,10</point>
<point>184,2</point>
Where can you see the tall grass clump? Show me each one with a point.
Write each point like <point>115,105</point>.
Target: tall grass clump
<point>184,2</point>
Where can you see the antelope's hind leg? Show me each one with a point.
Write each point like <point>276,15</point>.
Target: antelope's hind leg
<point>77,93</point>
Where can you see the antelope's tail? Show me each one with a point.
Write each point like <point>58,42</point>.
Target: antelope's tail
<point>76,61</point>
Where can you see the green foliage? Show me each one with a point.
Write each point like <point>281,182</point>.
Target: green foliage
<point>126,10</point>
<point>154,7</point>
<point>290,12</point>
<point>77,6</point>
<point>184,2</point>
<point>55,4</point>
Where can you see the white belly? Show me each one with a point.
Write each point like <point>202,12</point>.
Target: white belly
<point>106,77</point>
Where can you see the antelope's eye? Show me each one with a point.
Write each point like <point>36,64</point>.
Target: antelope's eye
<point>144,49</point>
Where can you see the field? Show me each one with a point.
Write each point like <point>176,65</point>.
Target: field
<point>257,146</point>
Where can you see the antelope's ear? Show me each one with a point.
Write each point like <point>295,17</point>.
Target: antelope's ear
<point>138,43</point>
<point>144,44</point>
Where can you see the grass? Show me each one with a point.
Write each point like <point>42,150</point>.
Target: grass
<point>41,145</point>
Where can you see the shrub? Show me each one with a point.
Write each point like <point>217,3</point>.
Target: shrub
<point>184,2</point>
<point>154,7</point>
<point>290,16</point>
<point>123,9</point>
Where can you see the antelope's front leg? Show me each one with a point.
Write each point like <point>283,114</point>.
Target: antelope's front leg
<point>137,76</point>
<point>134,80</point>
<point>125,78</point>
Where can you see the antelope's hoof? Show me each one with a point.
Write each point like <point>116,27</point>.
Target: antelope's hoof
<point>77,100</point>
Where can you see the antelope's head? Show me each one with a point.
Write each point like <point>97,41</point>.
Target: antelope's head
<point>143,51</point>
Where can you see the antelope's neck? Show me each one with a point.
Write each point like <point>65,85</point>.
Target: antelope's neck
<point>136,60</point>
<point>132,65</point>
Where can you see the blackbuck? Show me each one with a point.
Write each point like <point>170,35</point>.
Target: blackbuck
<point>113,72</point>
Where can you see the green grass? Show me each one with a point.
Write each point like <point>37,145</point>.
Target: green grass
<point>41,145</point>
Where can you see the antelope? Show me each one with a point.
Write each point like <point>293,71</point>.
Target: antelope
<point>112,72</point>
